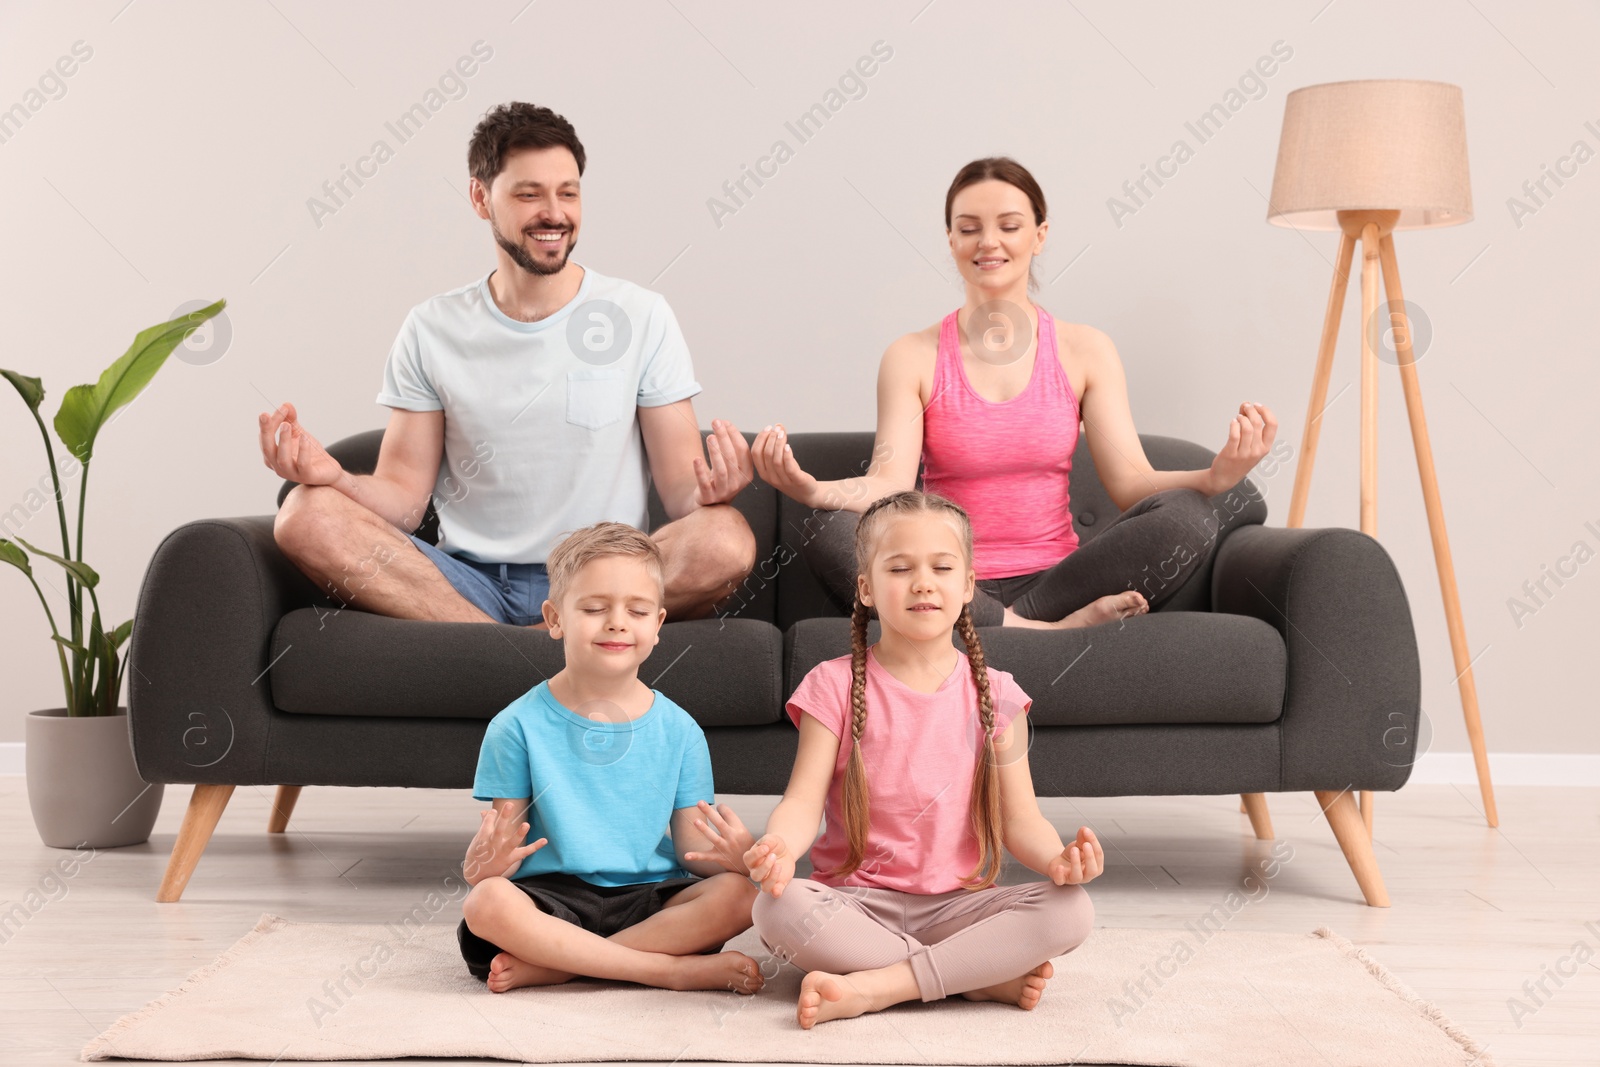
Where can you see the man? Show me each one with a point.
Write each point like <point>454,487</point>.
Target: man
<point>537,400</point>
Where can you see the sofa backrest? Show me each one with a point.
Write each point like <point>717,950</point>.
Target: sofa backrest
<point>782,589</point>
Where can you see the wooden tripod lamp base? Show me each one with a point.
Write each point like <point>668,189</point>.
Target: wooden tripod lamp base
<point>1373,229</point>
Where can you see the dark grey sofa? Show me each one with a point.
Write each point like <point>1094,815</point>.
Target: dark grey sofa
<point>1288,663</point>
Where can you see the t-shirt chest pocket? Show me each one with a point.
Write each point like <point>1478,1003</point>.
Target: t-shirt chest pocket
<point>597,397</point>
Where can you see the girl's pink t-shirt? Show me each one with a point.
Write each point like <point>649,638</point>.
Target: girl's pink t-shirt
<point>920,751</point>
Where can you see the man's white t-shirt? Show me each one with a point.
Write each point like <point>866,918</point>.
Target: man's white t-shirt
<point>541,429</point>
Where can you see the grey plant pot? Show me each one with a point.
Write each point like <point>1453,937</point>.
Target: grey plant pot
<point>83,786</point>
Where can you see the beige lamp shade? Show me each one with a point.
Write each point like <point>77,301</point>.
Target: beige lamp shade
<point>1384,145</point>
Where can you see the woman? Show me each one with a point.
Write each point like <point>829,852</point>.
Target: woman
<point>989,400</point>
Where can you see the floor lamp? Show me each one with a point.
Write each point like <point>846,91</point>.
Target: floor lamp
<point>1367,158</point>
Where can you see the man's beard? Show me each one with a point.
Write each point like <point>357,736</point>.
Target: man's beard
<point>521,257</point>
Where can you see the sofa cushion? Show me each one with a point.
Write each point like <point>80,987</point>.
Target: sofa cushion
<point>723,672</point>
<point>1168,667</point>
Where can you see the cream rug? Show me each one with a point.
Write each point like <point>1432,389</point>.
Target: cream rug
<point>336,991</point>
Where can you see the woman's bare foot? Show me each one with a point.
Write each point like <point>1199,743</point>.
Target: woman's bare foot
<point>1024,992</point>
<point>825,996</point>
<point>509,972</point>
<point>725,970</point>
<point>1106,609</point>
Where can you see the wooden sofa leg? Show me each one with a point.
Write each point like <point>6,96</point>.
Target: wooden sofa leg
<point>282,808</point>
<point>205,808</point>
<point>1351,832</point>
<point>1255,805</point>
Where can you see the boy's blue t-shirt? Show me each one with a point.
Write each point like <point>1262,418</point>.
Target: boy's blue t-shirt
<point>603,792</point>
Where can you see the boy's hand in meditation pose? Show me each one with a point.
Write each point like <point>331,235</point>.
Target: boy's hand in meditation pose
<point>497,847</point>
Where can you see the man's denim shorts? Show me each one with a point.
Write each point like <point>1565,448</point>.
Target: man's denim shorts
<point>512,593</point>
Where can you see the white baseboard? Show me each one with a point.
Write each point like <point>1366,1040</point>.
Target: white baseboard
<point>1434,768</point>
<point>1509,768</point>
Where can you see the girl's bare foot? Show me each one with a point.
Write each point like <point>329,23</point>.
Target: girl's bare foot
<point>1024,992</point>
<point>1106,609</point>
<point>509,972</point>
<point>725,970</point>
<point>826,996</point>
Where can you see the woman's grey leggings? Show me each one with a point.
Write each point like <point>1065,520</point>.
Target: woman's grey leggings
<point>1155,546</point>
<point>955,942</point>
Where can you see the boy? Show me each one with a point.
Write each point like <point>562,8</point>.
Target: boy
<point>598,888</point>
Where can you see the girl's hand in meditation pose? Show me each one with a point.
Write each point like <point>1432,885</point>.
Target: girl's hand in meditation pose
<point>1080,861</point>
<point>771,864</point>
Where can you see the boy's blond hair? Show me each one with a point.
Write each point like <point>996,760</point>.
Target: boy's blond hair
<point>595,542</point>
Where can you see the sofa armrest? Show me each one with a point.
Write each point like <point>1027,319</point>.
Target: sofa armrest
<point>199,695</point>
<point>1352,698</point>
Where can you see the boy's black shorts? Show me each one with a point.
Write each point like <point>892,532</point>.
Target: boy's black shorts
<point>600,909</point>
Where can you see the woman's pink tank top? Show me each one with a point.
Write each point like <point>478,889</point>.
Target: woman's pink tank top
<point>1006,463</point>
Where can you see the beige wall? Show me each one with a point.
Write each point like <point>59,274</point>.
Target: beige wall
<point>176,163</point>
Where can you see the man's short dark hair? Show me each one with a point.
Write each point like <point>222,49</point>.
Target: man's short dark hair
<point>513,126</point>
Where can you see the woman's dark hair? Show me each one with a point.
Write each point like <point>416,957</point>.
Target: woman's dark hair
<point>509,127</point>
<point>1002,169</point>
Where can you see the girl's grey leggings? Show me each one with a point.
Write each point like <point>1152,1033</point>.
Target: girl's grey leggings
<point>1155,547</point>
<point>956,941</point>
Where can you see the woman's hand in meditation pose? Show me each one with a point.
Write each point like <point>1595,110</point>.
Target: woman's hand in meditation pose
<point>774,461</point>
<point>1250,434</point>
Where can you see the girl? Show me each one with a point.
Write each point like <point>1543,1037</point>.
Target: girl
<point>988,399</point>
<point>911,748</point>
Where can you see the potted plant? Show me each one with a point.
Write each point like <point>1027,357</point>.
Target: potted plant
<point>83,785</point>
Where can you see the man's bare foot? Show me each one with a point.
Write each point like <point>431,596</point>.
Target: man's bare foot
<point>509,972</point>
<point>1106,609</point>
<point>540,625</point>
<point>725,970</point>
<point>1024,992</point>
<point>825,996</point>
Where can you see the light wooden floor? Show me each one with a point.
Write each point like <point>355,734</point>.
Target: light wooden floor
<point>1476,912</point>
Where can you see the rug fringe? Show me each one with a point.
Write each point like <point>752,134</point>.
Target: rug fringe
<point>1427,1008</point>
<point>104,1047</point>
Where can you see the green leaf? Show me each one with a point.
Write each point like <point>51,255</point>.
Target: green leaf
<point>85,408</point>
<point>81,571</point>
<point>69,643</point>
<point>120,634</point>
<point>32,389</point>
<point>10,553</point>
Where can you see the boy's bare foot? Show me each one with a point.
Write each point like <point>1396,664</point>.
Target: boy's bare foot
<point>825,996</point>
<point>509,972</point>
<point>1024,992</point>
<point>725,970</point>
<point>1106,609</point>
